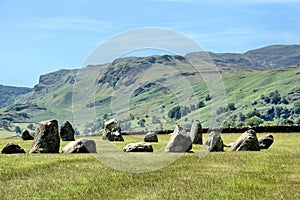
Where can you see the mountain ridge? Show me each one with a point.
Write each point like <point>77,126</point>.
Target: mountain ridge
<point>53,96</point>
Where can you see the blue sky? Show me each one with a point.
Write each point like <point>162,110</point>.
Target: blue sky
<point>38,36</point>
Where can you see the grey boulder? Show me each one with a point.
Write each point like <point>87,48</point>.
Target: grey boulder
<point>112,131</point>
<point>81,145</point>
<point>196,132</point>
<point>25,135</point>
<point>67,132</point>
<point>246,142</point>
<point>266,141</point>
<point>11,148</point>
<point>214,142</point>
<point>180,141</point>
<point>138,147</point>
<point>151,137</point>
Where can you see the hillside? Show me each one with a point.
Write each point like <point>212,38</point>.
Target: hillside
<point>9,94</point>
<point>156,92</point>
<point>266,58</point>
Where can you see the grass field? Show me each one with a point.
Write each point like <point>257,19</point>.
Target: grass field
<point>268,174</point>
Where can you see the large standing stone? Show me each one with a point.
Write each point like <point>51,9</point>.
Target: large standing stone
<point>11,148</point>
<point>138,147</point>
<point>46,139</point>
<point>246,142</point>
<point>214,142</point>
<point>151,137</point>
<point>25,135</point>
<point>67,132</point>
<point>180,141</point>
<point>112,131</point>
<point>196,132</point>
<point>266,141</point>
<point>81,145</point>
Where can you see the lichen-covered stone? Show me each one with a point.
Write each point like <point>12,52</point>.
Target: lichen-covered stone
<point>180,141</point>
<point>138,147</point>
<point>246,142</point>
<point>46,139</point>
<point>151,137</point>
<point>81,145</point>
<point>266,141</point>
<point>196,132</point>
<point>67,132</point>
<point>214,142</point>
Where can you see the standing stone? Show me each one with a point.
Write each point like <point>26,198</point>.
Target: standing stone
<point>25,135</point>
<point>266,141</point>
<point>177,130</point>
<point>81,145</point>
<point>196,132</point>
<point>151,137</point>
<point>46,139</point>
<point>138,147</point>
<point>214,142</point>
<point>246,142</point>
<point>112,131</point>
<point>67,132</point>
<point>11,148</point>
<point>180,141</point>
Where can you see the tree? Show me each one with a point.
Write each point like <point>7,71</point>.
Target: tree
<point>201,104</point>
<point>297,107</point>
<point>31,126</point>
<point>284,100</point>
<point>253,113</point>
<point>231,106</point>
<point>286,113</point>
<point>208,98</point>
<point>254,121</point>
<point>175,113</point>
<point>227,124</point>
<point>18,130</point>
<point>275,97</point>
<point>287,122</point>
<point>270,114</point>
<point>142,122</point>
<point>242,117</point>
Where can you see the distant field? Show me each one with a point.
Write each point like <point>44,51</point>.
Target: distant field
<point>268,174</point>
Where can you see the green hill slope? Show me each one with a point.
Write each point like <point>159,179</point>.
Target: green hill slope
<point>156,92</point>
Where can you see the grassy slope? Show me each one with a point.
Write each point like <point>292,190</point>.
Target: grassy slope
<point>242,89</point>
<point>269,174</point>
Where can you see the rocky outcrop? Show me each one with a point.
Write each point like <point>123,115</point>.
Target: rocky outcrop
<point>151,137</point>
<point>112,131</point>
<point>246,142</point>
<point>25,135</point>
<point>138,147</point>
<point>196,132</point>
<point>46,139</point>
<point>67,132</point>
<point>81,145</point>
<point>11,148</point>
<point>266,141</point>
<point>180,141</point>
<point>214,142</point>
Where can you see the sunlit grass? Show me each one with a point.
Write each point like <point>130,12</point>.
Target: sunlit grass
<point>268,174</point>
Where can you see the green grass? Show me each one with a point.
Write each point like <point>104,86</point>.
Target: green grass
<point>268,174</point>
